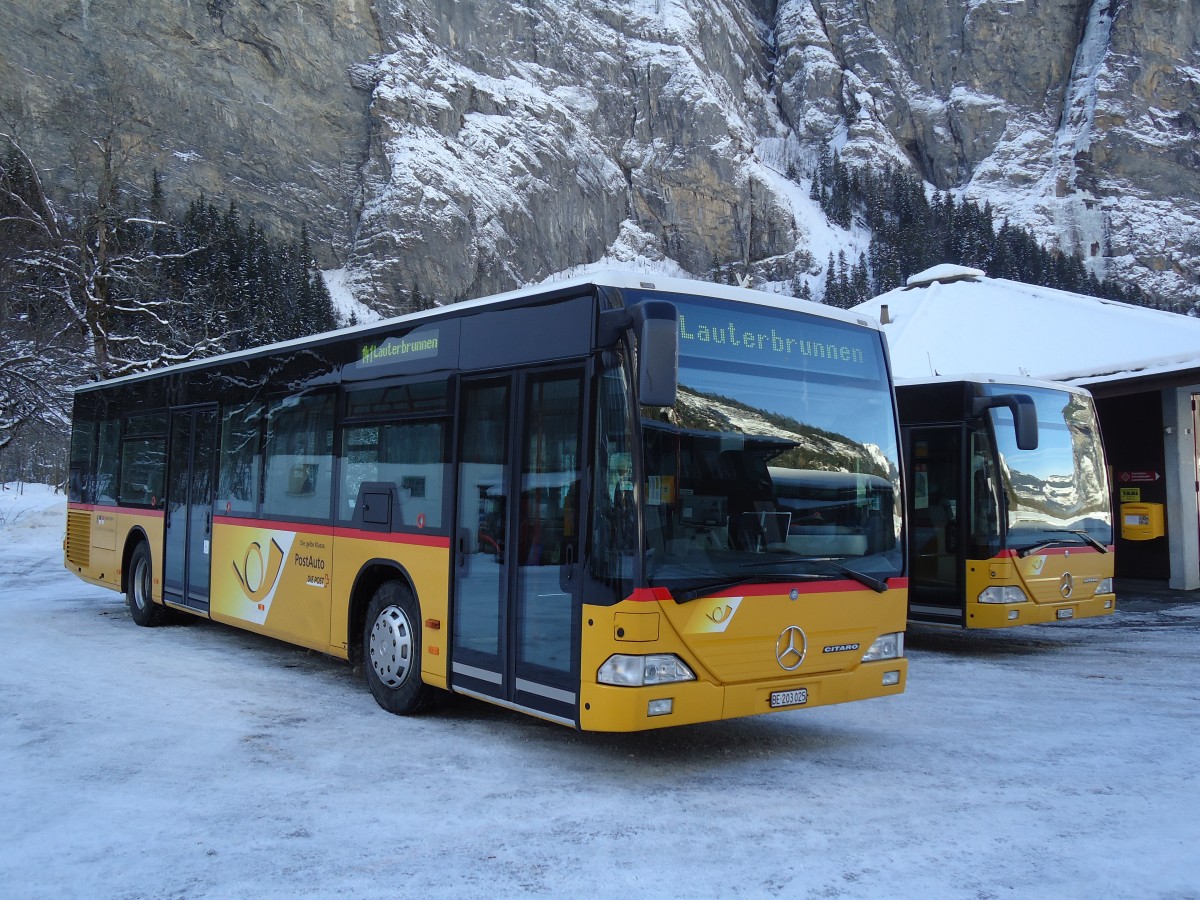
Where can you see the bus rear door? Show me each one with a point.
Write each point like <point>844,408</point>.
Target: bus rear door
<point>192,447</point>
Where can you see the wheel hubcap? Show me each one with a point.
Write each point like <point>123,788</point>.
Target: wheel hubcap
<point>391,646</point>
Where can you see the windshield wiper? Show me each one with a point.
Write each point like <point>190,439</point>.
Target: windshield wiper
<point>1042,545</point>
<point>832,562</point>
<point>685,595</point>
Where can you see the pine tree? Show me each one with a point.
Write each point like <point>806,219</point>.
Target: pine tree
<point>831,296</point>
<point>860,282</point>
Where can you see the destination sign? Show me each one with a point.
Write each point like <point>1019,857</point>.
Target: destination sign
<point>421,343</point>
<point>730,333</point>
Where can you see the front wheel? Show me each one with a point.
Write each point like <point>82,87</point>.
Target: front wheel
<point>392,650</point>
<point>139,595</point>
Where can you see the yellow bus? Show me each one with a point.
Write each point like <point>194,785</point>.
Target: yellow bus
<point>1009,514</point>
<point>578,501</point>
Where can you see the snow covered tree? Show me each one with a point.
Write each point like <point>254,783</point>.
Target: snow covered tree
<point>93,262</point>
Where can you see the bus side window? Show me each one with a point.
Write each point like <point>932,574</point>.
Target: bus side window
<point>241,459</point>
<point>144,459</point>
<point>983,487</point>
<point>83,460</point>
<point>414,458</point>
<point>409,456</point>
<point>359,463</point>
<point>299,478</point>
<point>108,464</point>
<point>614,513</point>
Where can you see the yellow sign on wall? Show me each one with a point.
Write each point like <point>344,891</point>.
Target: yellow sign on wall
<point>1131,495</point>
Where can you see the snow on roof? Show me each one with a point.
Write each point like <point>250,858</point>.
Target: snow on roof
<point>951,320</point>
<point>945,274</point>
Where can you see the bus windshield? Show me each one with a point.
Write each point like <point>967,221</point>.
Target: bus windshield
<point>779,458</point>
<point>1057,494</point>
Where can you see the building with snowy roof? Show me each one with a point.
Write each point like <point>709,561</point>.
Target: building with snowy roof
<point>1142,366</point>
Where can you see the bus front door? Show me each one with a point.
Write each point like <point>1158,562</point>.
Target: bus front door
<point>516,601</point>
<point>934,517</point>
<point>192,447</point>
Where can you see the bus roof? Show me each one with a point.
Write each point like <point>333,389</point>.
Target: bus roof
<point>1015,381</point>
<point>613,279</point>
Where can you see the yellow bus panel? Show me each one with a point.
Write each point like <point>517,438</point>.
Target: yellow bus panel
<point>733,645</point>
<point>1060,585</point>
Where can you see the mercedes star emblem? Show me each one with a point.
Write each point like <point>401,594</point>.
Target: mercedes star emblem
<point>790,648</point>
<point>1066,585</point>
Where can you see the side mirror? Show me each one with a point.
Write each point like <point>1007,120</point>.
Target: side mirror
<point>657,325</point>
<point>658,352</point>
<point>1024,416</point>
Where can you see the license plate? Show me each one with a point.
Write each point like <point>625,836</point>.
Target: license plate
<point>789,698</point>
<point>1065,613</point>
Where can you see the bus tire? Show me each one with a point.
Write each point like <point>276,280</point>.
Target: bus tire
<point>391,646</point>
<point>139,594</point>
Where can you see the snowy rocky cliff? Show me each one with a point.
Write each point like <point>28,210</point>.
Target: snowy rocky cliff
<point>449,149</point>
<point>1077,118</point>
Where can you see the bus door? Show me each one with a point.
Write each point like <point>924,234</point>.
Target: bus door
<point>1195,458</point>
<point>192,446</point>
<point>934,522</point>
<point>516,601</point>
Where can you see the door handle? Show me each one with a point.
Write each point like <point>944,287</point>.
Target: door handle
<point>566,572</point>
<point>463,537</point>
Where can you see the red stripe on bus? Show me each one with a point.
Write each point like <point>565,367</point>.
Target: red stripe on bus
<point>1055,551</point>
<point>649,595</point>
<point>420,540</point>
<point>295,527</point>
<point>842,585</point>
<point>766,589</point>
<point>403,537</point>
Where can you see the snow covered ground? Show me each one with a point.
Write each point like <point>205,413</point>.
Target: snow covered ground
<point>195,761</point>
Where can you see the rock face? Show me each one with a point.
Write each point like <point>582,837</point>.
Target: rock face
<point>517,140</point>
<point>248,101</point>
<point>449,149</point>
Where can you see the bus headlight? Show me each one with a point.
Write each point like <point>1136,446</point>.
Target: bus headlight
<point>636,671</point>
<point>1008,593</point>
<point>1105,586</point>
<point>886,646</point>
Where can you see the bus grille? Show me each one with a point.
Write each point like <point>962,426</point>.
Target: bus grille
<point>737,662</point>
<point>79,537</point>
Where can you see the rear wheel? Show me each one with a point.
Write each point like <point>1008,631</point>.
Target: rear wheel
<point>139,596</point>
<point>392,650</point>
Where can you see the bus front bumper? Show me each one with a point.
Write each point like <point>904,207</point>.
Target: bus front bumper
<point>1007,615</point>
<point>609,708</point>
